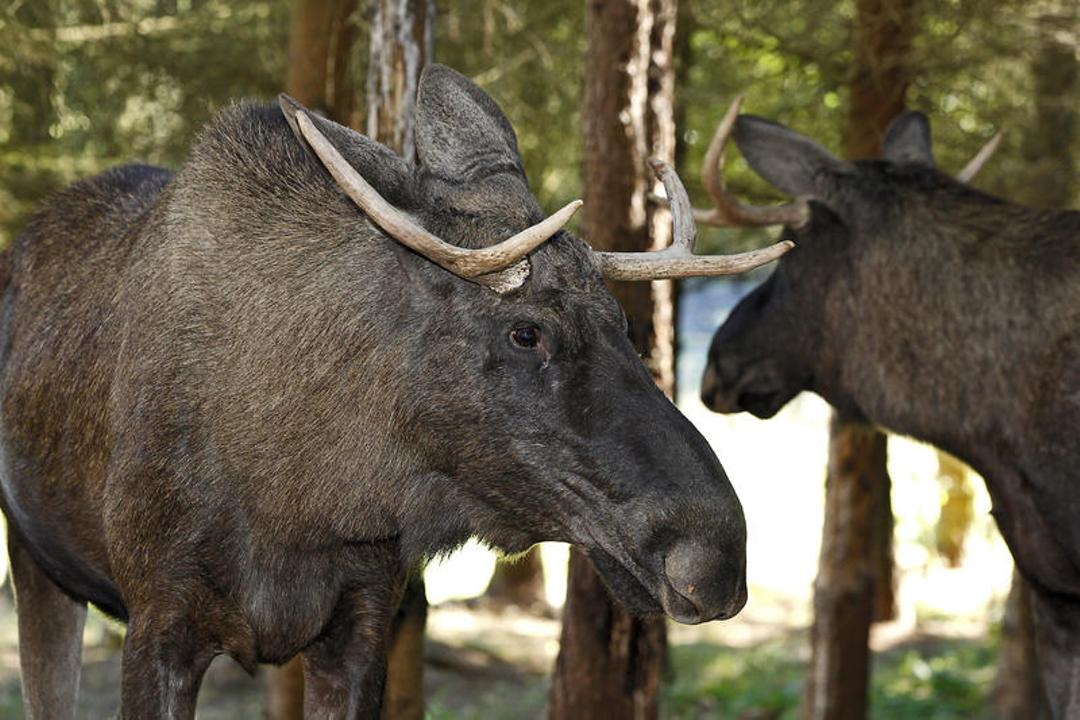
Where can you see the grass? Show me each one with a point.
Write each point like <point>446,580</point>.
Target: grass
<point>927,678</point>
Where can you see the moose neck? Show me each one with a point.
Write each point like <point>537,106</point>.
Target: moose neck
<point>937,317</point>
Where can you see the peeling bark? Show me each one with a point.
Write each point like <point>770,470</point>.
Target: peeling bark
<point>402,37</point>
<point>402,42</point>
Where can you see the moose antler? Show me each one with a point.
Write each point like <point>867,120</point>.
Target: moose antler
<point>976,163</point>
<point>727,211</point>
<point>678,260</point>
<point>492,266</point>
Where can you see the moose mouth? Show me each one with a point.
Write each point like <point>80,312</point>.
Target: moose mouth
<point>631,592</point>
<point>763,404</point>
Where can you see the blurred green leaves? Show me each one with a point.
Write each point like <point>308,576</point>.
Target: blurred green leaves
<point>85,84</point>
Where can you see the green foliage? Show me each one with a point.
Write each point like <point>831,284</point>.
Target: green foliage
<point>926,679</point>
<point>85,84</point>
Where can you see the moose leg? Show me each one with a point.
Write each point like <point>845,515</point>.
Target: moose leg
<point>163,665</point>
<point>345,669</point>
<point>1057,631</point>
<point>50,638</point>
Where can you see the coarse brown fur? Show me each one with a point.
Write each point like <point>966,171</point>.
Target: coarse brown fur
<point>934,310</point>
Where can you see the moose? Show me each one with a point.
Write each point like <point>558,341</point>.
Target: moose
<point>918,303</point>
<point>242,402</point>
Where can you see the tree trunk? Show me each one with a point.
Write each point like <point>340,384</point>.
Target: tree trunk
<point>610,664</point>
<point>403,698</point>
<point>402,42</point>
<point>32,81</point>
<point>320,44</point>
<point>836,687</point>
<point>518,582</point>
<point>1018,691</point>
<point>321,35</point>
<point>1050,182</point>
<point>855,584</point>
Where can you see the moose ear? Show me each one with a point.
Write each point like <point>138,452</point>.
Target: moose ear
<point>789,161</point>
<point>461,134</point>
<point>378,164</point>
<point>908,140</point>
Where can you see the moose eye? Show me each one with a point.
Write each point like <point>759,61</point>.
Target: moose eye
<point>526,336</point>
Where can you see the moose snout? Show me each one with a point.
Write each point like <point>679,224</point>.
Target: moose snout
<point>703,583</point>
<point>713,394</point>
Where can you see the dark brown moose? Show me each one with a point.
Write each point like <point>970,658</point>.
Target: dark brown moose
<point>237,410</point>
<point>918,303</point>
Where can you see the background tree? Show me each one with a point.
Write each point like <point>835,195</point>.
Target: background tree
<point>855,576</point>
<point>519,581</point>
<point>321,34</point>
<point>402,42</point>
<point>609,663</point>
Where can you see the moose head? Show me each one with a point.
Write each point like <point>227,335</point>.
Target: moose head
<point>865,232</point>
<point>526,408</point>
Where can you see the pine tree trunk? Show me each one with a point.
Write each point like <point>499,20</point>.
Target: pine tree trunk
<point>1050,182</point>
<point>518,582</point>
<point>610,664</point>
<point>321,35</point>
<point>836,687</point>
<point>855,584</point>
<point>1018,691</point>
<point>402,42</point>
<point>320,46</point>
<point>403,698</point>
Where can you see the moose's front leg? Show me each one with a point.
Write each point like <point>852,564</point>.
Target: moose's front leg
<point>164,661</point>
<point>345,668</point>
<point>50,638</point>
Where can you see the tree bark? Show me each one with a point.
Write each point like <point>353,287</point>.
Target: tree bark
<point>836,687</point>
<point>1018,691</point>
<point>1050,182</point>
<point>321,35</point>
<point>518,582</point>
<point>403,698</point>
<point>320,46</point>
<point>855,584</point>
<point>610,664</point>
<point>32,81</point>
<point>402,42</point>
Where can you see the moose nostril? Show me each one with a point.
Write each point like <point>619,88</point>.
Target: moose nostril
<point>714,586</point>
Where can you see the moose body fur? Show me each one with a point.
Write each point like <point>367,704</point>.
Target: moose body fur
<point>920,304</point>
<point>236,414</point>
